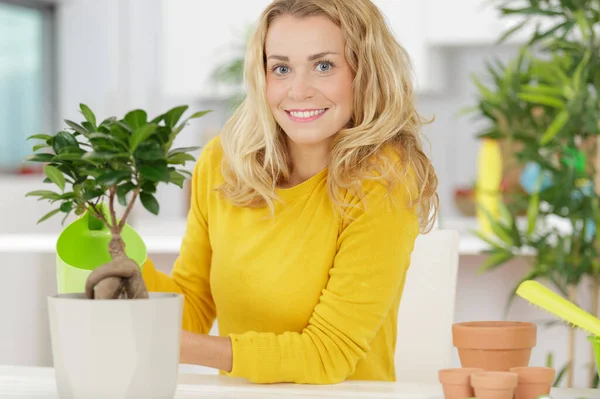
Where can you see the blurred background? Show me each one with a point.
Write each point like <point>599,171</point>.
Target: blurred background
<point>119,55</point>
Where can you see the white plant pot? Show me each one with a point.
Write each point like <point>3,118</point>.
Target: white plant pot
<point>117,349</point>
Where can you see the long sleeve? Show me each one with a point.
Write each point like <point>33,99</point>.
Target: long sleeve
<point>191,272</point>
<point>367,277</point>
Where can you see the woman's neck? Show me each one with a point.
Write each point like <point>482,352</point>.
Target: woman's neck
<point>307,161</point>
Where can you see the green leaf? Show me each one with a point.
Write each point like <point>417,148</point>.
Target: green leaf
<point>122,192</point>
<point>200,114</point>
<point>542,100</point>
<point>541,89</point>
<point>496,259</point>
<point>136,118</point>
<point>180,159</point>
<point>77,127</point>
<point>40,146</point>
<point>487,240</point>
<point>91,194</point>
<point>172,116</point>
<point>55,176</point>
<point>89,115</point>
<point>149,202</point>
<point>155,173</point>
<point>97,156</point>
<point>532,213</point>
<point>112,178</point>
<point>140,135</point>
<point>44,157</point>
<point>557,124</point>
<point>177,178</point>
<point>109,138</point>
<point>44,137</point>
<point>48,215</point>
<point>186,172</point>
<point>182,150</point>
<point>511,31</point>
<point>66,207</point>
<point>62,141</point>
<point>44,194</point>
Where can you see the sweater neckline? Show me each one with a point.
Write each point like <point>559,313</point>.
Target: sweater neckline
<point>305,187</point>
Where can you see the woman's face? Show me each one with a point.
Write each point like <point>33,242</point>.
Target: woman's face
<point>309,82</point>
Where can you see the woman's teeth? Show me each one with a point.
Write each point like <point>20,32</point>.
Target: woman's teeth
<point>307,114</point>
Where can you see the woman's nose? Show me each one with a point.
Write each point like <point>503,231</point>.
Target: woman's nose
<point>301,88</point>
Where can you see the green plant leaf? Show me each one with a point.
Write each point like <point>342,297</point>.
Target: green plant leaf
<point>89,195</point>
<point>542,100</point>
<point>109,137</point>
<point>44,137</point>
<point>63,141</point>
<point>43,157</point>
<point>66,207</point>
<point>77,127</point>
<point>136,118</point>
<point>149,202</point>
<point>96,156</point>
<point>122,192</point>
<point>88,114</point>
<point>557,124</point>
<point>112,178</point>
<point>48,215</point>
<point>177,178</point>
<point>43,194</point>
<point>155,172</point>
<point>511,31</point>
<point>180,159</point>
<point>496,259</point>
<point>199,114</point>
<point>532,213</point>
<point>55,176</point>
<point>40,146</point>
<point>140,135</point>
<point>173,115</point>
<point>182,150</point>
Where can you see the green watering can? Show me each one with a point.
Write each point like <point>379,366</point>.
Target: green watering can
<point>83,246</point>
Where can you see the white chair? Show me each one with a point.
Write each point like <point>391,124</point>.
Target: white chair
<point>424,340</point>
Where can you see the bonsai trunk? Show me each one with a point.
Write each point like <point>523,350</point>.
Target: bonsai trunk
<point>120,278</point>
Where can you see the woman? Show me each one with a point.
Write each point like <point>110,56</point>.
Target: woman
<point>305,210</point>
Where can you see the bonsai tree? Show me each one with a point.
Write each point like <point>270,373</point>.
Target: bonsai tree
<point>93,166</point>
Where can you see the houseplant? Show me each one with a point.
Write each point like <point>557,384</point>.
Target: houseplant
<point>545,102</point>
<point>113,339</point>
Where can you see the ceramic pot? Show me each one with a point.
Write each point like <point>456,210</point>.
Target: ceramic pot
<point>117,349</point>
<point>494,384</point>
<point>533,381</point>
<point>494,345</point>
<point>456,382</point>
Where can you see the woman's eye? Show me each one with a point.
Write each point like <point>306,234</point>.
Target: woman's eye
<point>324,66</point>
<point>281,70</point>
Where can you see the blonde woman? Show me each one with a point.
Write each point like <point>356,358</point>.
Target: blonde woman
<point>305,210</point>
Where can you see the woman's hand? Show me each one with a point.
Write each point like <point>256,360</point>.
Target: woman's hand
<point>206,350</point>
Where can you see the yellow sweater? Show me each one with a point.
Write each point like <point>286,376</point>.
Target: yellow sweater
<point>304,297</point>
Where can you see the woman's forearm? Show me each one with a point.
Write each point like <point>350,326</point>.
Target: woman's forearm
<point>206,350</point>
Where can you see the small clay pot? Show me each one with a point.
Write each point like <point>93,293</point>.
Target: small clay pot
<point>494,384</point>
<point>456,382</point>
<point>494,345</point>
<point>533,381</point>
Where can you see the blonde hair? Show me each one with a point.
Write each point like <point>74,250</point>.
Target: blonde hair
<point>384,116</point>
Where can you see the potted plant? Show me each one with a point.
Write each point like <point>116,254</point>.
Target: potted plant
<point>113,339</point>
<point>545,101</point>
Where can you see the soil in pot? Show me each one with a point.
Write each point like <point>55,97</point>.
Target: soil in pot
<point>456,382</point>
<point>494,384</point>
<point>533,381</point>
<point>494,345</point>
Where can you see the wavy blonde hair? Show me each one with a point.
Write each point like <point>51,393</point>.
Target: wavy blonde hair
<point>384,116</point>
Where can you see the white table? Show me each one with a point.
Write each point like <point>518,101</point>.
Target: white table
<point>38,383</point>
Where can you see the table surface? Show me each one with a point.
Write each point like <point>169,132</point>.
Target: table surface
<point>38,383</point>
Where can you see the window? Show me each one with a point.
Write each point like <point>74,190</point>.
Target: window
<point>26,78</point>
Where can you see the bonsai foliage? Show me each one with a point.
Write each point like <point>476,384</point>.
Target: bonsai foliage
<point>117,160</point>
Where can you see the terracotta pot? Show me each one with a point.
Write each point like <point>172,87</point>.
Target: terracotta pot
<point>494,384</point>
<point>494,345</point>
<point>456,382</point>
<point>533,381</point>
